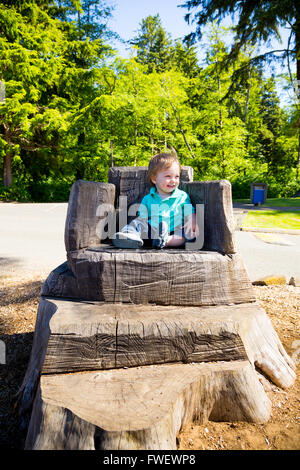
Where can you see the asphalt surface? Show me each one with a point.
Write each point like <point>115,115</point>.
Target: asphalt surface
<point>32,237</point>
<point>32,240</point>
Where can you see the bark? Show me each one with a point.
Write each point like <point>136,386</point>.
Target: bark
<point>111,153</point>
<point>7,171</point>
<point>142,407</point>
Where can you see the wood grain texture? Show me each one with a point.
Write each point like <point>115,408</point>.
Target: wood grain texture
<point>82,222</point>
<point>103,336</point>
<point>218,213</point>
<point>59,318</point>
<point>168,277</point>
<point>141,407</point>
<point>155,339</point>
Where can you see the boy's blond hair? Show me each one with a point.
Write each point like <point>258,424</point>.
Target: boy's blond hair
<point>160,162</point>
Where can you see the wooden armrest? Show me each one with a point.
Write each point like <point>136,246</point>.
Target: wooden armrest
<point>218,213</point>
<point>81,223</point>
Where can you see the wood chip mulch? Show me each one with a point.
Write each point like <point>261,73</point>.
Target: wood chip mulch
<point>19,299</point>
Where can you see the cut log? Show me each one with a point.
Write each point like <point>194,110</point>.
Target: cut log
<point>104,336</point>
<point>141,407</point>
<point>82,222</point>
<point>218,213</point>
<point>170,277</point>
<point>77,336</point>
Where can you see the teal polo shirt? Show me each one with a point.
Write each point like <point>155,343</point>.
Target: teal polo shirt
<point>172,209</point>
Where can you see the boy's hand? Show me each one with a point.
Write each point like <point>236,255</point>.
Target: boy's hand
<point>190,227</point>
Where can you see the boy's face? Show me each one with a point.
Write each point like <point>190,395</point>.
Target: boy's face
<point>168,179</point>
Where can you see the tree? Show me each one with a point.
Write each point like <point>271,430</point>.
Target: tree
<point>48,74</point>
<point>90,16</point>
<point>257,21</point>
<point>153,44</point>
<point>185,58</point>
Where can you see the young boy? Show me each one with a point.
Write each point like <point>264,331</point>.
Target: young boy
<point>166,215</point>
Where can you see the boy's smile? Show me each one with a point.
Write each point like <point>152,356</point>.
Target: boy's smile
<point>167,180</point>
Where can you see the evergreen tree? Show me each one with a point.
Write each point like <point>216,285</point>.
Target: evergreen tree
<point>153,44</point>
<point>47,76</point>
<point>185,58</point>
<point>256,21</point>
<point>90,16</point>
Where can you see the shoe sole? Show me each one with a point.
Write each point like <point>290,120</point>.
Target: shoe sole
<point>127,243</point>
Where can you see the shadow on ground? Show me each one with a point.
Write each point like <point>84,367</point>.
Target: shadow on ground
<point>8,262</point>
<point>13,429</point>
<point>18,294</point>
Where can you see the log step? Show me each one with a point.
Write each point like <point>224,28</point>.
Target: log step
<point>91,336</point>
<point>141,407</point>
<point>163,277</point>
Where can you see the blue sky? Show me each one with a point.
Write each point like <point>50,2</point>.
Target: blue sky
<point>128,14</point>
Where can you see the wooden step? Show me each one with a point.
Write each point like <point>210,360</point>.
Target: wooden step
<point>162,277</point>
<point>75,336</point>
<point>89,336</point>
<point>141,407</point>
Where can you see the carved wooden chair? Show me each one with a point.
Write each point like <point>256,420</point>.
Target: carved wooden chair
<point>96,270</point>
<point>164,337</point>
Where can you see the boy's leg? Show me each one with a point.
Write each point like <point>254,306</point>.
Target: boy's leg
<point>131,235</point>
<point>179,237</point>
<point>160,236</point>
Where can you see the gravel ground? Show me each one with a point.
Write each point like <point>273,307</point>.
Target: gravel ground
<point>19,297</point>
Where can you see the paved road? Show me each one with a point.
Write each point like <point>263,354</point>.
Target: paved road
<point>31,236</point>
<point>32,239</point>
<point>263,259</point>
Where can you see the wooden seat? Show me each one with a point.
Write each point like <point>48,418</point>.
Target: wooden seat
<point>130,345</point>
<point>214,275</point>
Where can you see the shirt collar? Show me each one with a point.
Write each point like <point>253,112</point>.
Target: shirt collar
<point>174,194</point>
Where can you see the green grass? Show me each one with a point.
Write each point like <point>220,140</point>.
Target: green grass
<point>273,202</point>
<point>272,219</point>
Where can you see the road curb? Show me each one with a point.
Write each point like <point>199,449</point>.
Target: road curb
<point>269,230</point>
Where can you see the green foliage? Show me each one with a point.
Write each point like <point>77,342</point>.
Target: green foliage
<point>255,21</point>
<point>73,107</point>
<point>153,44</point>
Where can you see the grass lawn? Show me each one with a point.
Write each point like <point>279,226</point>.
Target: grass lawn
<point>272,219</point>
<point>279,202</point>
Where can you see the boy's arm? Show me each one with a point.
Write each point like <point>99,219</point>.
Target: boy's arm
<point>191,226</point>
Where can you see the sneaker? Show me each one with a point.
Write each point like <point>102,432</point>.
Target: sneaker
<point>127,240</point>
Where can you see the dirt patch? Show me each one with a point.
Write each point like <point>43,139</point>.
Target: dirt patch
<point>19,298</point>
<point>282,431</point>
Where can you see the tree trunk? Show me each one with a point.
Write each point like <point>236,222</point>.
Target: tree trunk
<point>129,377</point>
<point>111,153</point>
<point>297,37</point>
<point>247,98</point>
<point>141,408</point>
<point>297,40</point>
<point>7,173</point>
<point>298,160</point>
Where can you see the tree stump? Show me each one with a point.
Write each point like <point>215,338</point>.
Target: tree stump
<point>130,376</point>
<point>141,407</point>
<point>131,345</point>
<point>171,277</point>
